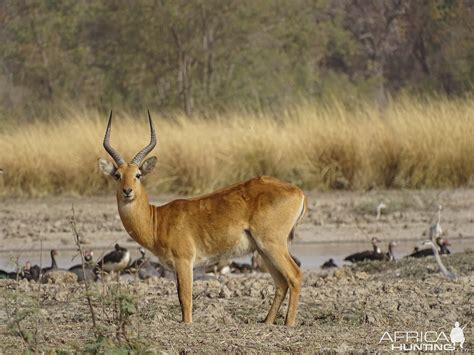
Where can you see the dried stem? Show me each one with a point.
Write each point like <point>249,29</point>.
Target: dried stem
<point>81,252</point>
<point>38,294</point>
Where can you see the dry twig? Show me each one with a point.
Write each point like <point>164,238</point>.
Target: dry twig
<point>81,252</point>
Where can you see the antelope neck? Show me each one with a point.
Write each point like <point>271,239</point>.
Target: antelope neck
<point>136,219</point>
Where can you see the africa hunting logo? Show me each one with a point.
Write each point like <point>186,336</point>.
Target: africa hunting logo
<point>426,341</point>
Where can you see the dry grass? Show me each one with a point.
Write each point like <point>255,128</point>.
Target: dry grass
<point>412,143</point>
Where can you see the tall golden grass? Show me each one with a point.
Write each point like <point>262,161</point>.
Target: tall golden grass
<point>412,143</point>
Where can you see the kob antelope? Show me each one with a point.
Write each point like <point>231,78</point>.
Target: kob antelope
<point>258,214</point>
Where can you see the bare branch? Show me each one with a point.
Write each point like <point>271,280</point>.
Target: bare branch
<point>81,252</point>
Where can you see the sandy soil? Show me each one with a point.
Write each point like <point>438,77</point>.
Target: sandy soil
<point>347,309</point>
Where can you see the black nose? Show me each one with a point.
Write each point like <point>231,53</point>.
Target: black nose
<point>127,191</point>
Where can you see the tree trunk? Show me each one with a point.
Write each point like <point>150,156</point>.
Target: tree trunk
<point>185,63</point>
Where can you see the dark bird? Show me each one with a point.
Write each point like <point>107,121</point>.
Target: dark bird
<point>31,273</point>
<point>374,254</point>
<point>443,249</point>
<point>390,256</point>
<point>54,265</point>
<point>135,264</point>
<point>89,268</point>
<point>442,246</point>
<point>328,264</point>
<point>145,267</point>
<point>240,268</point>
<point>117,260</point>
<point>8,275</point>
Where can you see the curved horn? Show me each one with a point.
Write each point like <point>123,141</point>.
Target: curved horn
<point>113,153</point>
<point>143,153</point>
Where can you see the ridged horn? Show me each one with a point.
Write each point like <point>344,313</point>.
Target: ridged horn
<point>113,153</point>
<point>144,152</point>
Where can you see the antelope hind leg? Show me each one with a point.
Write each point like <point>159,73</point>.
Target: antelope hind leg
<point>281,289</point>
<point>281,260</point>
<point>184,280</point>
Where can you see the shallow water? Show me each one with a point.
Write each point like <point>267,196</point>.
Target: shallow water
<point>314,255</point>
<point>311,255</point>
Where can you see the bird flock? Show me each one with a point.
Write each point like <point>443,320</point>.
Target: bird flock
<point>118,261</point>
<point>435,246</point>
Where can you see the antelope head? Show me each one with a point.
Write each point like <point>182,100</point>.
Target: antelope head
<point>128,175</point>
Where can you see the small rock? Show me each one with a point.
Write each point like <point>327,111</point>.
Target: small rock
<point>266,292</point>
<point>369,319</point>
<point>61,296</point>
<point>225,292</point>
<point>43,312</point>
<point>24,285</point>
<point>342,273</point>
<point>362,275</point>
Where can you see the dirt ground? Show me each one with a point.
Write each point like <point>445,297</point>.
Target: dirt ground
<point>346,309</point>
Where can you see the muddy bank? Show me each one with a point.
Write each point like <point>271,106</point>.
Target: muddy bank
<point>347,309</point>
<point>332,217</point>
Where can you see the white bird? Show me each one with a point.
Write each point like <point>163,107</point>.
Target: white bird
<point>380,207</point>
<point>435,229</point>
<point>450,275</point>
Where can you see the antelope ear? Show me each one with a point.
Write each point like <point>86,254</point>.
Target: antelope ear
<point>107,167</point>
<point>148,165</point>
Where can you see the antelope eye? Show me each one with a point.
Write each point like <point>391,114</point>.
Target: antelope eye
<point>117,176</point>
<point>138,176</point>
